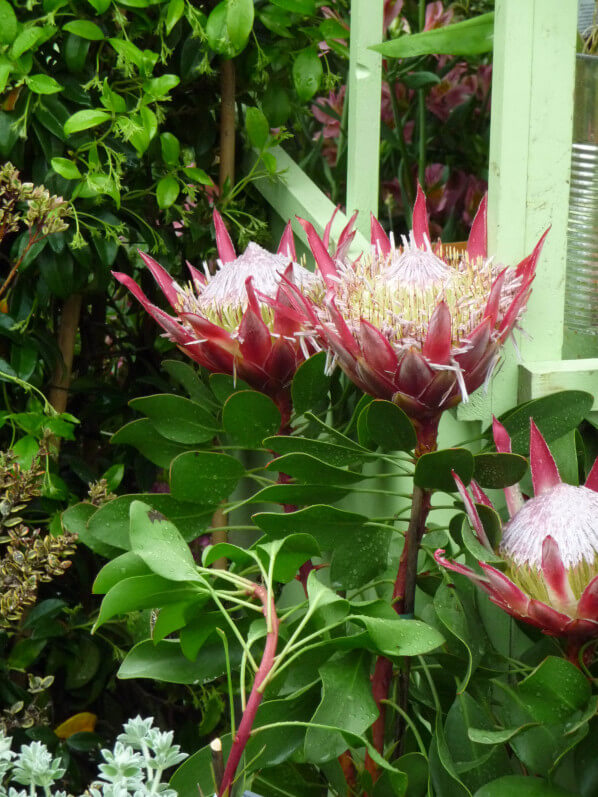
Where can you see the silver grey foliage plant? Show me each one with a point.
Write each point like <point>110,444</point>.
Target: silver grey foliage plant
<point>134,768</point>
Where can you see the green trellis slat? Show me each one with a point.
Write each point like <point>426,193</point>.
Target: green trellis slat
<point>295,194</point>
<point>365,84</point>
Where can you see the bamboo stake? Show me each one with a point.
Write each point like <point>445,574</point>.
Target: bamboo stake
<point>67,333</point>
<point>227,124</point>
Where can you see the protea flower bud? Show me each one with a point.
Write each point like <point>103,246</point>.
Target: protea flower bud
<point>417,324</point>
<point>238,321</point>
<point>549,547</point>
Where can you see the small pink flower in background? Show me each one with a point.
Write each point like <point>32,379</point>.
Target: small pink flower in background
<point>438,197</point>
<point>331,124</point>
<point>404,97</point>
<point>549,547</point>
<point>238,321</point>
<point>408,130</point>
<point>455,88</point>
<point>437,16</point>
<point>329,13</point>
<point>179,226</point>
<point>418,325</point>
<point>483,78</point>
<point>211,192</point>
<point>392,10</point>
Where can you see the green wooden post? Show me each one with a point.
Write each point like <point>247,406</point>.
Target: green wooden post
<point>530,155</point>
<point>365,84</point>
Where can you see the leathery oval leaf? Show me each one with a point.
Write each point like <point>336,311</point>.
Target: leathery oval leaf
<point>142,592</point>
<point>554,415</point>
<point>434,471</point>
<point>521,786</point>
<point>324,522</point>
<point>389,426</point>
<point>110,523</point>
<point>288,554</point>
<point>400,636</point>
<point>248,417</point>
<point>177,418</point>
<point>165,661</point>
<point>204,477</point>
<point>310,385</point>
<point>495,471</point>
<point>158,542</point>
<point>309,469</point>
<point>127,565</point>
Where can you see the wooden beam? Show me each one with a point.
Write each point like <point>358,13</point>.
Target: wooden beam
<point>538,379</point>
<point>293,194</point>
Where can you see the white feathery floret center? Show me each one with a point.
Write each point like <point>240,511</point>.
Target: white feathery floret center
<point>568,514</point>
<point>399,293</point>
<point>227,286</point>
<point>223,300</point>
<point>416,266</point>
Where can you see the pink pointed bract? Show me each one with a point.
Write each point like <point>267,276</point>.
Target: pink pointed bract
<point>418,324</point>
<point>549,548</point>
<point>238,321</point>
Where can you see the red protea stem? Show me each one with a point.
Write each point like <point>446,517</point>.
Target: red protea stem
<point>349,771</point>
<point>403,596</point>
<point>380,688</point>
<point>572,650</point>
<point>579,652</point>
<point>284,402</point>
<point>255,697</point>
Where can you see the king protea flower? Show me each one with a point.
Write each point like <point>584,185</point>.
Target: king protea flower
<point>238,321</point>
<point>417,324</point>
<point>549,547</point>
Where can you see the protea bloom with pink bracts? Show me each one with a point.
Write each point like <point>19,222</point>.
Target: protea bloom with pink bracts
<point>417,324</point>
<point>549,547</point>
<point>238,321</point>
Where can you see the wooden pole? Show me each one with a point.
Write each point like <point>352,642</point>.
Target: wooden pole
<point>67,333</point>
<point>227,124</point>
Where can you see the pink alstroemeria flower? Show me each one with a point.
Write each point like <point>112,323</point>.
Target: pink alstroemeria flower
<point>238,321</point>
<point>549,546</point>
<point>437,16</point>
<point>417,324</point>
<point>455,88</point>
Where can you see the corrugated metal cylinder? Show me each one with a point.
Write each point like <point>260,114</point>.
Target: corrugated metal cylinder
<point>581,295</point>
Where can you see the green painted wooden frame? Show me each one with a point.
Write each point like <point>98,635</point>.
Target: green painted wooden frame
<point>530,155</point>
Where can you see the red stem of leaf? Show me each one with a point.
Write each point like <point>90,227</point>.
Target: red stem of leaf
<point>255,697</point>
